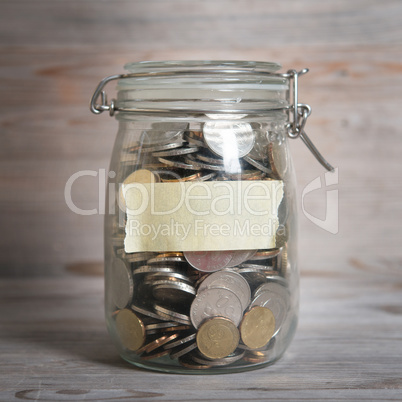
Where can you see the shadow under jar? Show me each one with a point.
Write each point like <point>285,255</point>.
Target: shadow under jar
<point>201,229</point>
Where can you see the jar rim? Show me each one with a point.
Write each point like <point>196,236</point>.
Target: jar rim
<point>251,66</point>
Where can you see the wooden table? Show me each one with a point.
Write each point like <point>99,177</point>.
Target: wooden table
<point>54,346</point>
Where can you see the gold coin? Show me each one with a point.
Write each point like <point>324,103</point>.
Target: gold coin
<point>265,254</point>
<point>130,329</point>
<point>139,176</point>
<point>278,159</point>
<point>257,327</point>
<point>217,337</point>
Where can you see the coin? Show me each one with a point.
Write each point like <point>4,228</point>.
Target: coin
<point>208,261</point>
<point>257,327</point>
<point>170,176</point>
<point>224,361</point>
<point>182,350</point>
<point>258,165</point>
<point>163,133</point>
<point>284,265</point>
<point>147,312</point>
<point>156,343</point>
<point>161,325</point>
<point>180,342</point>
<point>209,159</point>
<point>188,362</point>
<point>216,302</point>
<point>203,165</point>
<point>265,254</point>
<point>130,329</point>
<point>228,137</point>
<point>146,269</point>
<point>260,148</point>
<point>194,138</point>
<point>217,337</point>
<point>229,280</point>
<point>118,239</point>
<point>246,175</point>
<point>278,159</point>
<point>122,285</point>
<point>134,257</point>
<point>154,355</point>
<point>173,292</point>
<point>275,297</point>
<point>179,163</point>
<point>239,256</point>
<point>168,314</point>
<point>139,176</point>
<point>139,148</point>
<point>176,152</point>
<point>164,260</point>
<point>170,276</point>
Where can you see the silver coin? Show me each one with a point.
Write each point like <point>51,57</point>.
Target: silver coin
<point>177,152</point>
<point>256,267</point>
<point>209,159</point>
<point>172,276</point>
<point>164,260</point>
<point>148,313</point>
<point>229,136</point>
<point>173,292</point>
<point>258,165</point>
<point>159,148</point>
<point>194,138</point>
<point>147,269</point>
<point>122,285</point>
<point>134,257</point>
<point>229,280</point>
<point>180,342</point>
<point>169,314</point>
<point>259,151</point>
<point>182,350</point>
<point>239,256</point>
<point>202,165</point>
<point>208,261</point>
<point>161,325</point>
<point>224,361</point>
<point>163,133</point>
<point>253,278</point>
<point>274,297</point>
<point>179,163</point>
<point>216,302</point>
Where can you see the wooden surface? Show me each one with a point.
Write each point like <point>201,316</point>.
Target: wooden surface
<point>348,347</point>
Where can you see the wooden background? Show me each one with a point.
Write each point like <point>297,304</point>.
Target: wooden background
<point>53,54</point>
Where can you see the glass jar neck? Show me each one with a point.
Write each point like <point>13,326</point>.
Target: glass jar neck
<point>207,87</point>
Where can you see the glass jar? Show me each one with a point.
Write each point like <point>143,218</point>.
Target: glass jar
<point>201,237</point>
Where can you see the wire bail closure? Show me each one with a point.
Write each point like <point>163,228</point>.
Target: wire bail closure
<point>295,128</point>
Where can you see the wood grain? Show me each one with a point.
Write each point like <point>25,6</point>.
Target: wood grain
<point>54,53</point>
<point>54,346</point>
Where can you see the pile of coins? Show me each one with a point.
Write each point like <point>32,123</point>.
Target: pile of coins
<point>203,309</point>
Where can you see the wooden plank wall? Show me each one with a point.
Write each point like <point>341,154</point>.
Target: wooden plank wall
<point>53,53</point>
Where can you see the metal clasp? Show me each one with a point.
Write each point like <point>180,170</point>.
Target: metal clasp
<point>301,112</point>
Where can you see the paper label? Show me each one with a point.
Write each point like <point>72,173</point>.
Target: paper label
<point>202,216</point>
